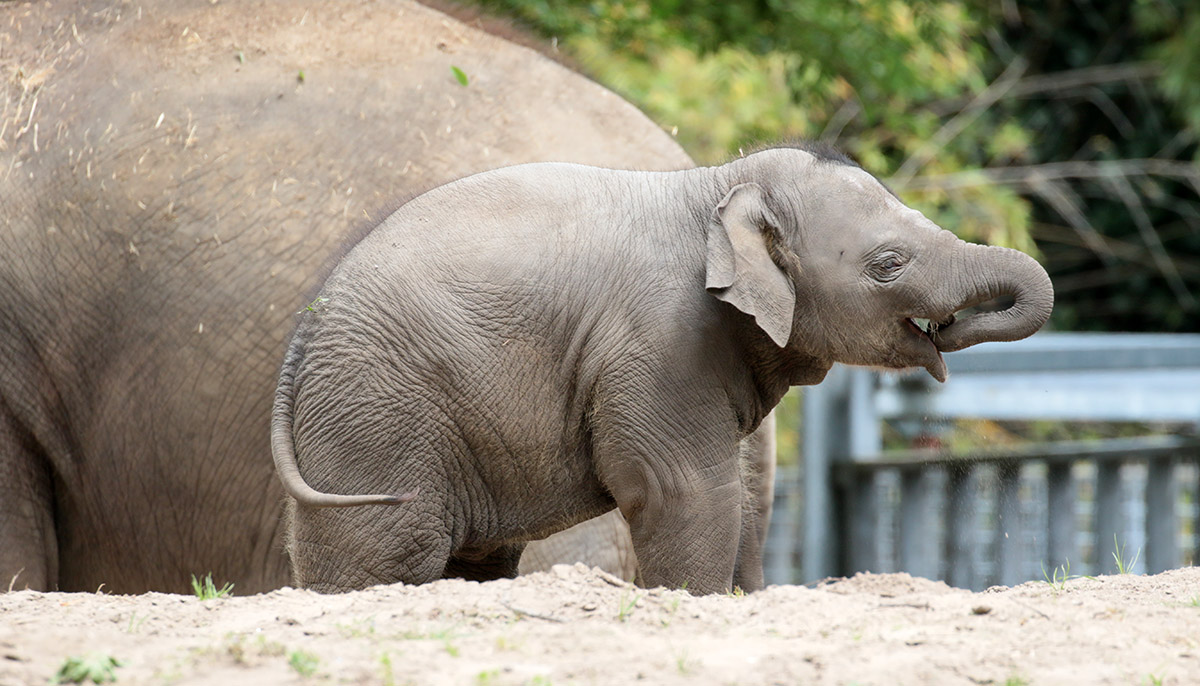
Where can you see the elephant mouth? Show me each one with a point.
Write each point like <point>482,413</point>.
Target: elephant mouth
<point>929,327</point>
<point>926,330</point>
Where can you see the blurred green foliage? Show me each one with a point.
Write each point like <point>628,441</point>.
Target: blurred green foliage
<point>867,75</point>
<point>1174,36</point>
<point>1129,259</point>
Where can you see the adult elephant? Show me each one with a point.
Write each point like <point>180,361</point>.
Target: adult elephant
<point>173,177</point>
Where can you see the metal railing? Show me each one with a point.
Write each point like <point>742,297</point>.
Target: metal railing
<point>999,516</point>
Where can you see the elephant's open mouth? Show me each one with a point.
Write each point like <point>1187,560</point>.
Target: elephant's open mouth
<point>929,327</point>
<point>927,330</point>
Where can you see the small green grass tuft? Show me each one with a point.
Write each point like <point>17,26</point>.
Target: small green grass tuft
<point>507,644</point>
<point>626,605</point>
<point>488,677</point>
<point>358,628</point>
<point>684,665</point>
<point>446,636</point>
<point>671,606</point>
<point>1124,566</point>
<point>95,667</point>
<point>207,590</point>
<point>459,75</point>
<point>312,306</point>
<point>1016,681</point>
<point>1057,579</point>
<point>303,662</point>
<point>386,671</point>
<point>135,623</point>
<point>245,652</point>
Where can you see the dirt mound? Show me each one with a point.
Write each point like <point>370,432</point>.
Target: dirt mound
<point>575,625</point>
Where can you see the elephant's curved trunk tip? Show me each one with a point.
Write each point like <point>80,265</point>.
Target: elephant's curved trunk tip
<point>1000,272</point>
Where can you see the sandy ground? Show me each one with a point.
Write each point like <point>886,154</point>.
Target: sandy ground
<point>574,625</point>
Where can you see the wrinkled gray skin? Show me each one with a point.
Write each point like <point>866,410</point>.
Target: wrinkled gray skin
<point>523,349</point>
<point>168,201</point>
<point>604,541</point>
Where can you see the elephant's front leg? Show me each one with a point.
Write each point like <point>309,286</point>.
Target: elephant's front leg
<point>690,541</point>
<point>675,477</point>
<point>758,480</point>
<point>748,571</point>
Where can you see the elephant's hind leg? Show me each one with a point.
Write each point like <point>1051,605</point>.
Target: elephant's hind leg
<point>338,550</point>
<point>28,542</point>
<point>500,563</point>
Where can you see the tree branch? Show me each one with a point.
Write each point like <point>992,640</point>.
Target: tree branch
<point>1068,205</point>
<point>844,115</point>
<point>1033,174</point>
<point>1085,77</point>
<point>1069,81</point>
<point>995,90</point>
<point>1121,186</point>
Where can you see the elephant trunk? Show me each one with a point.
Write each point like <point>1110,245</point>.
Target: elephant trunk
<point>994,272</point>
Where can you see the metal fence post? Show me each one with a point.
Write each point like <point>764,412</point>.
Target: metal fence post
<point>1108,517</point>
<point>862,553</point>
<point>1060,515</point>
<point>779,552</point>
<point>1193,485</point>
<point>870,522</point>
<point>961,507</point>
<point>921,495</point>
<point>1162,517</point>
<point>1008,524</point>
<point>825,442</point>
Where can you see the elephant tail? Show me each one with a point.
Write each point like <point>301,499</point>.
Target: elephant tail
<point>283,447</point>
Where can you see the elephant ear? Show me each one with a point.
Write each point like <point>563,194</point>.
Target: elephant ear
<point>739,268</point>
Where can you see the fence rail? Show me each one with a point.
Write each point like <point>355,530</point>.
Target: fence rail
<point>1002,515</point>
<point>1004,518</point>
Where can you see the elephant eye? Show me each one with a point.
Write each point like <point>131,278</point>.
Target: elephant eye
<point>886,266</point>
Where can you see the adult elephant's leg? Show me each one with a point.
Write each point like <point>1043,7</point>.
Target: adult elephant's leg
<point>500,563</point>
<point>28,545</point>
<point>598,542</point>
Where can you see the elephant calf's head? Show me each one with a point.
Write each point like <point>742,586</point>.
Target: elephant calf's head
<point>830,263</point>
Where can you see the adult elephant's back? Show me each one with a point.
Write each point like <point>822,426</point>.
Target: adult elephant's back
<point>174,177</point>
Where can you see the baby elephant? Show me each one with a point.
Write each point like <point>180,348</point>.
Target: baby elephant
<point>526,348</point>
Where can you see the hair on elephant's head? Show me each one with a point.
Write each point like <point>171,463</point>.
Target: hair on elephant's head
<point>830,262</point>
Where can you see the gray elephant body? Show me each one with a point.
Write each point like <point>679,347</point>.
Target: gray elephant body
<point>604,541</point>
<point>171,193</point>
<point>523,349</point>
